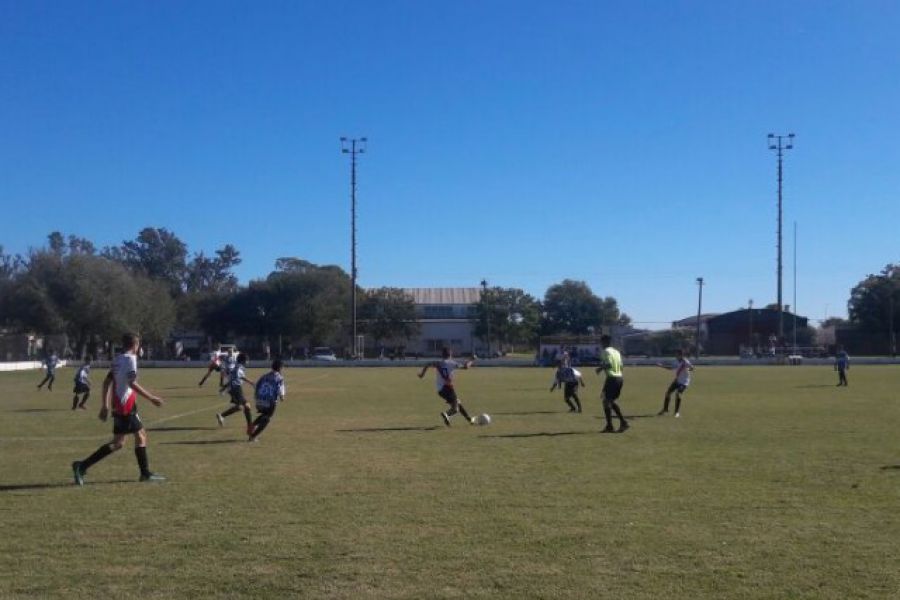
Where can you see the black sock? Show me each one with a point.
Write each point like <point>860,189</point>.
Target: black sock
<point>666,403</point>
<point>577,402</point>
<point>677,403</point>
<point>74,401</point>
<point>140,453</point>
<point>98,455</point>
<point>261,422</point>
<point>84,399</point>
<point>570,403</point>
<point>619,414</point>
<point>231,410</point>
<point>607,412</point>
<point>247,415</point>
<point>463,412</point>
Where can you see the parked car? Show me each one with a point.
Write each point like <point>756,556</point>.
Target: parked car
<point>323,353</point>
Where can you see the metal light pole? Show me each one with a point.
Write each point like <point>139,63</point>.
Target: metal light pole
<point>487,314</point>
<point>353,147</point>
<point>750,313</point>
<point>795,288</point>
<point>780,143</point>
<point>699,310</point>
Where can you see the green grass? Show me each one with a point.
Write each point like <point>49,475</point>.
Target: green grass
<point>773,484</point>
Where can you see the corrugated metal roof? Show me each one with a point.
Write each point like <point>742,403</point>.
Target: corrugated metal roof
<point>470,295</point>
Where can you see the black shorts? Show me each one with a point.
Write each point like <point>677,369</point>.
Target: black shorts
<point>266,409</point>
<point>448,394</point>
<point>81,388</point>
<point>676,387</point>
<point>123,424</point>
<point>569,388</point>
<point>612,388</point>
<point>237,396</point>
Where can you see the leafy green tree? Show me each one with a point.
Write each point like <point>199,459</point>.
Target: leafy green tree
<point>213,274</point>
<point>388,313</point>
<point>572,307</point>
<point>158,254</point>
<point>509,314</point>
<point>875,301</point>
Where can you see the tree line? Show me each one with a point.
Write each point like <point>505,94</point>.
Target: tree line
<point>154,285</point>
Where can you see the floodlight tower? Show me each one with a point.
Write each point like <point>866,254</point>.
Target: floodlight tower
<point>353,147</point>
<point>699,311</point>
<point>780,143</point>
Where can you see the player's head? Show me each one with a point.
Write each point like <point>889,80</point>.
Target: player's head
<point>445,352</point>
<point>130,342</point>
<point>242,359</point>
<point>88,359</point>
<point>277,364</point>
<point>679,353</point>
<point>605,341</point>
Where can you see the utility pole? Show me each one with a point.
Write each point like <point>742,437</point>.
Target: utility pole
<point>780,143</point>
<point>487,313</point>
<point>750,313</point>
<point>353,147</point>
<point>795,288</point>
<point>699,310</point>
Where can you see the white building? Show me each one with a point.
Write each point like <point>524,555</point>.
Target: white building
<point>446,317</point>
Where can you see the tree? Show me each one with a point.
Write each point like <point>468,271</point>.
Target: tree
<point>388,313</point>
<point>205,274</point>
<point>511,316</point>
<point>158,254</point>
<point>874,303</point>
<point>572,307</point>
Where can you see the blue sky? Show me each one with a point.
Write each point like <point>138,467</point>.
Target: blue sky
<point>523,142</point>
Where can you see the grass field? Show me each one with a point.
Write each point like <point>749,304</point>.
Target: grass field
<point>773,484</point>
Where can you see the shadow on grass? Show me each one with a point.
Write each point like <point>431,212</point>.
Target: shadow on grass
<point>47,486</point>
<point>38,410</point>
<point>203,442</point>
<point>385,429</point>
<point>890,468</point>
<point>647,416</point>
<point>541,434</point>
<point>181,428</point>
<point>815,385</point>
<point>532,412</point>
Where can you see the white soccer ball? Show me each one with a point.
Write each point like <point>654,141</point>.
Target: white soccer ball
<point>483,419</point>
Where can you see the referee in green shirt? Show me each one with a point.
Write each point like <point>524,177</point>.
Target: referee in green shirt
<point>611,363</point>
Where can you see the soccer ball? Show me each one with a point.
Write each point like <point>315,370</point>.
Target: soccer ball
<point>483,419</point>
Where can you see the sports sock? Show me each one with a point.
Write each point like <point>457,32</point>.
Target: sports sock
<point>231,410</point>
<point>607,413</point>
<point>619,414</point>
<point>248,415</point>
<point>678,403</point>
<point>666,403</point>
<point>570,403</point>
<point>140,453</point>
<point>463,412</point>
<point>577,402</point>
<point>74,401</point>
<point>262,421</point>
<point>98,455</point>
<point>85,398</point>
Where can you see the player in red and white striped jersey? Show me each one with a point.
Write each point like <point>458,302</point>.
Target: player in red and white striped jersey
<point>121,389</point>
<point>444,380</point>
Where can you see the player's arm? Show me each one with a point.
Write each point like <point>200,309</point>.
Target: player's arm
<point>146,394</point>
<point>424,369</point>
<point>662,366</point>
<point>249,381</point>
<point>468,364</point>
<point>106,396</point>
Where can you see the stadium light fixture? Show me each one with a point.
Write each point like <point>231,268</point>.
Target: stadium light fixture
<point>780,143</point>
<point>353,146</point>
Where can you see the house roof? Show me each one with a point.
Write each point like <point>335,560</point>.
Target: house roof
<point>470,295</point>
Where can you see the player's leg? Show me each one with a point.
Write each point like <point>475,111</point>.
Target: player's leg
<point>576,400</point>
<point>84,399</point>
<point>75,399</point>
<point>261,422</point>
<point>668,398</point>
<point>43,381</point>
<point>140,453</point>
<point>205,377</point>
<point>52,377</point>
<point>80,467</point>
<point>462,410</point>
<point>678,393</point>
<point>613,397</point>
<point>607,414</point>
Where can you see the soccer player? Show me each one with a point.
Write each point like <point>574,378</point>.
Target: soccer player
<point>236,379</point>
<point>215,364</point>
<point>682,368</point>
<point>444,380</point>
<point>82,385</point>
<point>842,365</point>
<point>50,363</point>
<point>568,378</point>
<point>611,364</point>
<point>268,393</point>
<point>121,389</point>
